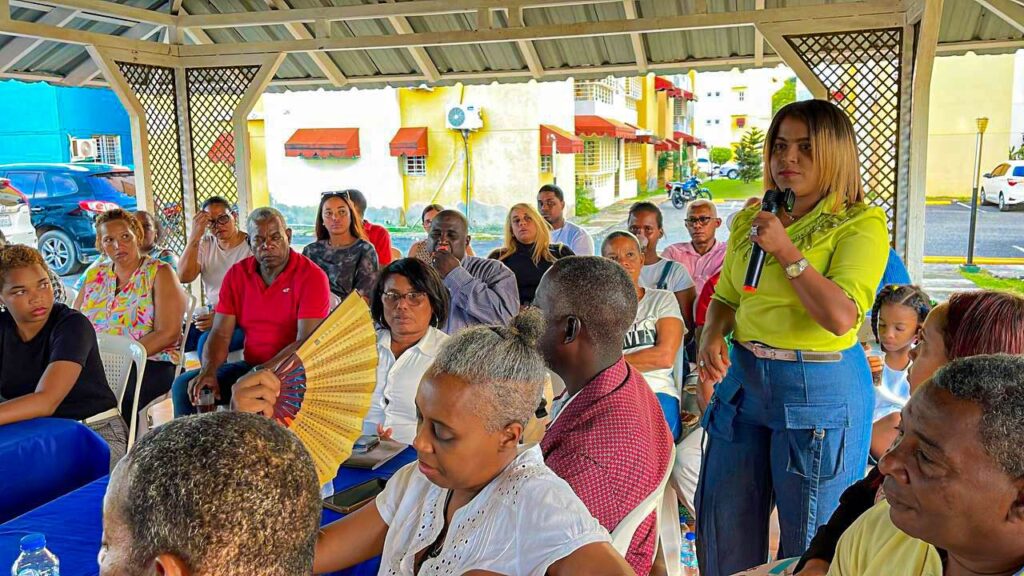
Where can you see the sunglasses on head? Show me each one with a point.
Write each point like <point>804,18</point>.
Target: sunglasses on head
<point>343,195</point>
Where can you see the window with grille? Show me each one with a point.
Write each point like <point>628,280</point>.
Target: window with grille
<point>599,156</point>
<point>108,149</point>
<point>634,91</point>
<point>634,152</point>
<point>741,95</point>
<point>593,182</point>
<point>415,165</point>
<point>545,164</point>
<point>596,90</point>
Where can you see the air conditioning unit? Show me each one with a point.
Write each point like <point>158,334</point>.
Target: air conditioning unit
<point>464,117</point>
<point>84,149</point>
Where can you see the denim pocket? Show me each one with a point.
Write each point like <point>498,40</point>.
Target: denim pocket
<point>721,412</point>
<point>816,436</point>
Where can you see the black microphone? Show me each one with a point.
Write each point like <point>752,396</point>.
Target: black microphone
<point>774,201</point>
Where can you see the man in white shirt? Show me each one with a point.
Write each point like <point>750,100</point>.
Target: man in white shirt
<point>551,204</point>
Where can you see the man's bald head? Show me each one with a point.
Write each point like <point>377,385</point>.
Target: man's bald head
<point>449,231</point>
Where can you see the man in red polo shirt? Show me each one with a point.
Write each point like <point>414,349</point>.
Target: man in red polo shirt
<point>377,235</point>
<point>277,297</point>
<point>608,437</point>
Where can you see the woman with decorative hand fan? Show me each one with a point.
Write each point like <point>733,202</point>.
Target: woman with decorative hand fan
<point>474,501</point>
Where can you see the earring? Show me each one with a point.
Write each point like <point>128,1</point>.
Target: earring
<point>3,308</point>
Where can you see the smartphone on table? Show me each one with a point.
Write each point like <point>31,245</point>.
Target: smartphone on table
<point>354,498</point>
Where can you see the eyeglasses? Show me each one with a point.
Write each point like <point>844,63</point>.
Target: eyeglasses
<point>343,194</point>
<point>702,220</point>
<point>392,298</point>
<point>221,220</point>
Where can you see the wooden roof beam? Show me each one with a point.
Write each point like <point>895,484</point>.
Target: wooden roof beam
<point>88,70</point>
<point>635,38</point>
<point>117,10</point>
<point>322,60</point>
<point>418,53</point>
<point>1008,10</point>
<point>18,48</point>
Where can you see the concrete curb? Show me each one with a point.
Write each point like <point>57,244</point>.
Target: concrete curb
<point>982,261</point>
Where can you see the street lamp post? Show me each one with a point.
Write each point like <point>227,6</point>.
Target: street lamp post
<point>554,164</point>
<point>970,265</point>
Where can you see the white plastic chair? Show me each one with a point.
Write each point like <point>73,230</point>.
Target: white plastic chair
<point>119,353</point>
<point>190,309</point>
<point>661,501</point>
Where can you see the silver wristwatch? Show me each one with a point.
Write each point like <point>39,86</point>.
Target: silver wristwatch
<point>796,268</point>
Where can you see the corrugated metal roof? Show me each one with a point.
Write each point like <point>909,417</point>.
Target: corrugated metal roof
<point>963,21</point>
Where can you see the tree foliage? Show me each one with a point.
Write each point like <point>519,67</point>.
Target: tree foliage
<point>750,155</point>
<point>785,95</point>
<point>720,155</point>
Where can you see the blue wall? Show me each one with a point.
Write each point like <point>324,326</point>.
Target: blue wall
<point>38,118</point>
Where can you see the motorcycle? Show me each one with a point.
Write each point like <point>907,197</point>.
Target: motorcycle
<point>682,193</point>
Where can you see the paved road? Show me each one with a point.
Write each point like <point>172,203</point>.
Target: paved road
<point>1000,234</point>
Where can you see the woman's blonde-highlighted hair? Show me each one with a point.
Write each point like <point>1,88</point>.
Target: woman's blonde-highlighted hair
<point>119,214</point>
<point>833,148</point>
<point>541,246</point>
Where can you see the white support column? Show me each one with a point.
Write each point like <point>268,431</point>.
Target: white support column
<point>927,41</point>
<point>137,117</point>
<point>773,34</point>
<point>240,121</point>
<point>188,172</point>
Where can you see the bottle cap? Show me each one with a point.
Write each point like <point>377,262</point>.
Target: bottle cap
<point>691,536</point>
<point>33,542</point>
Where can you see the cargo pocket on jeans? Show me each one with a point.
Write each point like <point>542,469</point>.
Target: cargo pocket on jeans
<point>720,414</point>
<point>816,435</point>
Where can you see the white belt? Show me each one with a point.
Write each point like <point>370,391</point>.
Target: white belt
<point>101,416</point>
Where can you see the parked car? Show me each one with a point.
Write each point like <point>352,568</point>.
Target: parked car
<point>1004,185</point>
<point>64,200</point>
<point>730,170</point>
<point>705,167</point>
<point>15,219</point>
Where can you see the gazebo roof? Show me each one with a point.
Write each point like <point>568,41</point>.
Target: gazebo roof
<point>410,42</point>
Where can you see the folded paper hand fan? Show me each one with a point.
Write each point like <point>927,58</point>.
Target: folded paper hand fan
<point>326,385</point>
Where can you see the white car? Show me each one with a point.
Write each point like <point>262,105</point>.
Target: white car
<point>730,170</point>
<point>15,219</point>
<point>1004,185</point>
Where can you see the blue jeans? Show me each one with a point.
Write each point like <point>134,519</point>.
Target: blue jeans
<point>792,434</point>
<point>237,341</point>
<point>227,375</point>
<point>670,406</point>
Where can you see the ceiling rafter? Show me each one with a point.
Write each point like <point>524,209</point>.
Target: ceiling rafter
<point>322,60</point>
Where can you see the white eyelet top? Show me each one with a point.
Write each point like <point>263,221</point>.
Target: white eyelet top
<point>524,521</point>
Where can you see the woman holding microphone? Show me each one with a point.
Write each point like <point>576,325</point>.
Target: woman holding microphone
<point>790,422</point>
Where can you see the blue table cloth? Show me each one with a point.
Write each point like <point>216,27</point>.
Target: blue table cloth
<point>73,524</point>
<point>45,458</point>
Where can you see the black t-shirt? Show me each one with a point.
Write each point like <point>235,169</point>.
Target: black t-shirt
<point>68,335</point>
<point>527,273</point>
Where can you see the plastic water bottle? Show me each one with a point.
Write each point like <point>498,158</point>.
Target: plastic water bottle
<point>35,559</point>
<point>688,554</point>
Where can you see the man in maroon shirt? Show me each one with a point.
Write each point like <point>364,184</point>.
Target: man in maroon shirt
<point>608,438</point>
<point>376,234</point>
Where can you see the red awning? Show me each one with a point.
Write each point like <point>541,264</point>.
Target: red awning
<point>664,84</point>
<point>688,95</point>
<point>684,137</point>
<point>409,142</point>
<point>598,126</point>
<point>666,145</point>
<point>223,149</point>
<point>565,142</point>
<point>323,143</point>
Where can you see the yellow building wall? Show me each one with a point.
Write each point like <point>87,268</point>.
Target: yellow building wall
<point>260,192</point>
<point>647,114</point>
<point>505,154</point>
<point>963,89</point>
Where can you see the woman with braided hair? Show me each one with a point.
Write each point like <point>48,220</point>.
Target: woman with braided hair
<point>896,319</point>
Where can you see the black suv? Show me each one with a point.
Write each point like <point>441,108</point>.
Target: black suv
<point>64,199</point>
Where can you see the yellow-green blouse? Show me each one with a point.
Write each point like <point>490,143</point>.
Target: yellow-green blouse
<point>849,248</point>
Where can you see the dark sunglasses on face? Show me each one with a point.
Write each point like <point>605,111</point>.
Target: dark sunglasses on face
<point>702,220</point>
<point>221,220</point>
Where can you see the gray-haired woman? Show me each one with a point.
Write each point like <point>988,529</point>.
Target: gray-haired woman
<point>475,502</point>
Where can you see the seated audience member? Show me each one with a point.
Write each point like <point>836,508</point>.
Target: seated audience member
<point>969,324</point>
<point>528,251</point>
<point>215,244</point>
<point>703,254</point>
<point>896,319</point>
<point>49,362</point>
<point>409,303</point>
<point>954,494</point>
<point>59,292</point>
<point>152,236</point>
<point>608,437</point>
<point>551,203</point>
<point>419,248</point>
<point>376,234</point>
<point>137,296</point>
<point>341,248</point>
<point>476,502</point>
<point>276,297</point>
<point>187,502</point>
<point>652,342</point>
<point>483,291</point>
<point>647,224</point>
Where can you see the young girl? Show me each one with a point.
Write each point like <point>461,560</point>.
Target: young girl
<point>896,320</point>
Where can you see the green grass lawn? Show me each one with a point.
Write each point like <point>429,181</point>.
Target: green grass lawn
<point>987,281</point>
<point>725,189</point>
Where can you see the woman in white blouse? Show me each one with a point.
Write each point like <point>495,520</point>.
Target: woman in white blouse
<point>409,303</point>
<point>474,503</point>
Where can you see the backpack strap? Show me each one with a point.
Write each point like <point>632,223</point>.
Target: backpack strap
<point>662,283</point>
